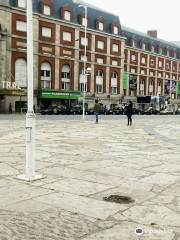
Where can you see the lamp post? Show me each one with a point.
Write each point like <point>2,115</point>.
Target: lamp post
<point>85,50</point>
<point>30,174</point>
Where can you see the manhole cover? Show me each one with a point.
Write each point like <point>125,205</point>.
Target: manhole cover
<point>118,199</point>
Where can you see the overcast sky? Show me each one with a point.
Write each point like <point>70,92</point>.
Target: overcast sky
<point>143,15</point>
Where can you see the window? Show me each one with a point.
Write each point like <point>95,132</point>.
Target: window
<point>101,26</point>
<point>82,84</point>
<point>159,75</point>
<point>160,63</point>
<point>67,36</point>
<point>115,47</point>
<point>83,87</point>
<point>45,75</point>
<point>100,44</point>
<point>133,57</point>
<point>46,32</point>
<point>65,77</point>
<point>114,62</point>
<point>142,87</point>
<point>143,46</point>
<point>167,65</point>
<point>84,41</point>
<point>67,15</point>
<point>100,60</point>
<point>99,81</point>
<point>143,60</point>
<point>21,72</point>
<point>114,83</point>
<point>22,3</point>
<point>151,73</point>
<point>47,10</point>
<point>133,70</point>
<point>21,26</point>
<point>143,72</point>
<point>152,62</point>
<point>115,30</point>
<point>151,87</point>
<point>152,48</point>
<point>167,76</point>
<point>83,58</point>
<point>84,21</point>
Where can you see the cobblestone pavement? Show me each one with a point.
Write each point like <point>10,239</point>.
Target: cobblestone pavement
<point>82,163</point>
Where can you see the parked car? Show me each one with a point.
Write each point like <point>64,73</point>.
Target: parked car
<point>177,112</point>
<point>48,111</point>
<point>166,111</point>
<point>76,110</point>
<point>150,111</point>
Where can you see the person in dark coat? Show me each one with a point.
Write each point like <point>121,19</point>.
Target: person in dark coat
<point>10,108</point>
<point>97,108</point>
<point>129,112</point>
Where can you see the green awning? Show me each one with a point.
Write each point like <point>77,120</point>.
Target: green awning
<point>54,94</point>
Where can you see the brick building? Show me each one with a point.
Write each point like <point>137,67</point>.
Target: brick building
<point>124,63</point>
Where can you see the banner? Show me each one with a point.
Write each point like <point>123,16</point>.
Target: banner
<point>173,87</point>
<point>166,87</point>
<point>132,82</point>
<point>178,87</point>
<point>125,80</point>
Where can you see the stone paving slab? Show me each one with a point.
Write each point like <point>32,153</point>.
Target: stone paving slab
<point>84,162</point>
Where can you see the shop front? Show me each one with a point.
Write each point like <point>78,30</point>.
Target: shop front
<point>10,93</point>
<point>51,97</point>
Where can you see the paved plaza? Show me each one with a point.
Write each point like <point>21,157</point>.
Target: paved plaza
<point>83,162</point>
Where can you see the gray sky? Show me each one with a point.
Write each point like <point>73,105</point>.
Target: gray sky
<point>143,15</point>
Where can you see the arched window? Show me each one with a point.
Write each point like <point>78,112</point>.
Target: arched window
<point>151,83</point>
<point>45,75</point>
<point>114,83</point>
<point>21,72</point>
<point>65,77</point>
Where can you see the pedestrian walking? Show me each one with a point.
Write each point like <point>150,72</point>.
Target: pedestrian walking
<point>129,112</point>
<point>97,110</point>
<point>10,108</point>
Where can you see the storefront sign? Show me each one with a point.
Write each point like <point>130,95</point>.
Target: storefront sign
<point>9,85</point>
<point>132,81</point>
<point>59,95</point>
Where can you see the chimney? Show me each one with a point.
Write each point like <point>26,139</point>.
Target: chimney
<point>152,33</point>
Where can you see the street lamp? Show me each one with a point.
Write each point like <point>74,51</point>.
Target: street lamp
<point>30,174</point>
<point>85,50</point>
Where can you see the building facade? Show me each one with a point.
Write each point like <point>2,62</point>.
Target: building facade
<point>123,62</point>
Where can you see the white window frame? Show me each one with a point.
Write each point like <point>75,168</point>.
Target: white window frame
<point>67,15</point>
<point>115,30</point>
<point>143,60</point>
<point>115,47</point>
<point>46,32</point>
<point>100,26</point>
<point>152,62</point>
<point>21,26</point>
<point>22,3</point>
<point>46,77</point>
<point>84,21</point>
<point>47,10</point>
<point>83,41</point>
<point>100,44</point>
<point>67,36</point>
<point>160,63</point>
<point>114,63</point>
<point>100,60</point>
<point>99,88</point>
<point>83,58</point>
<point>133,57</point>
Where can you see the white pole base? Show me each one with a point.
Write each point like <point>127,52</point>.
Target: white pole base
<point>36,177</point>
